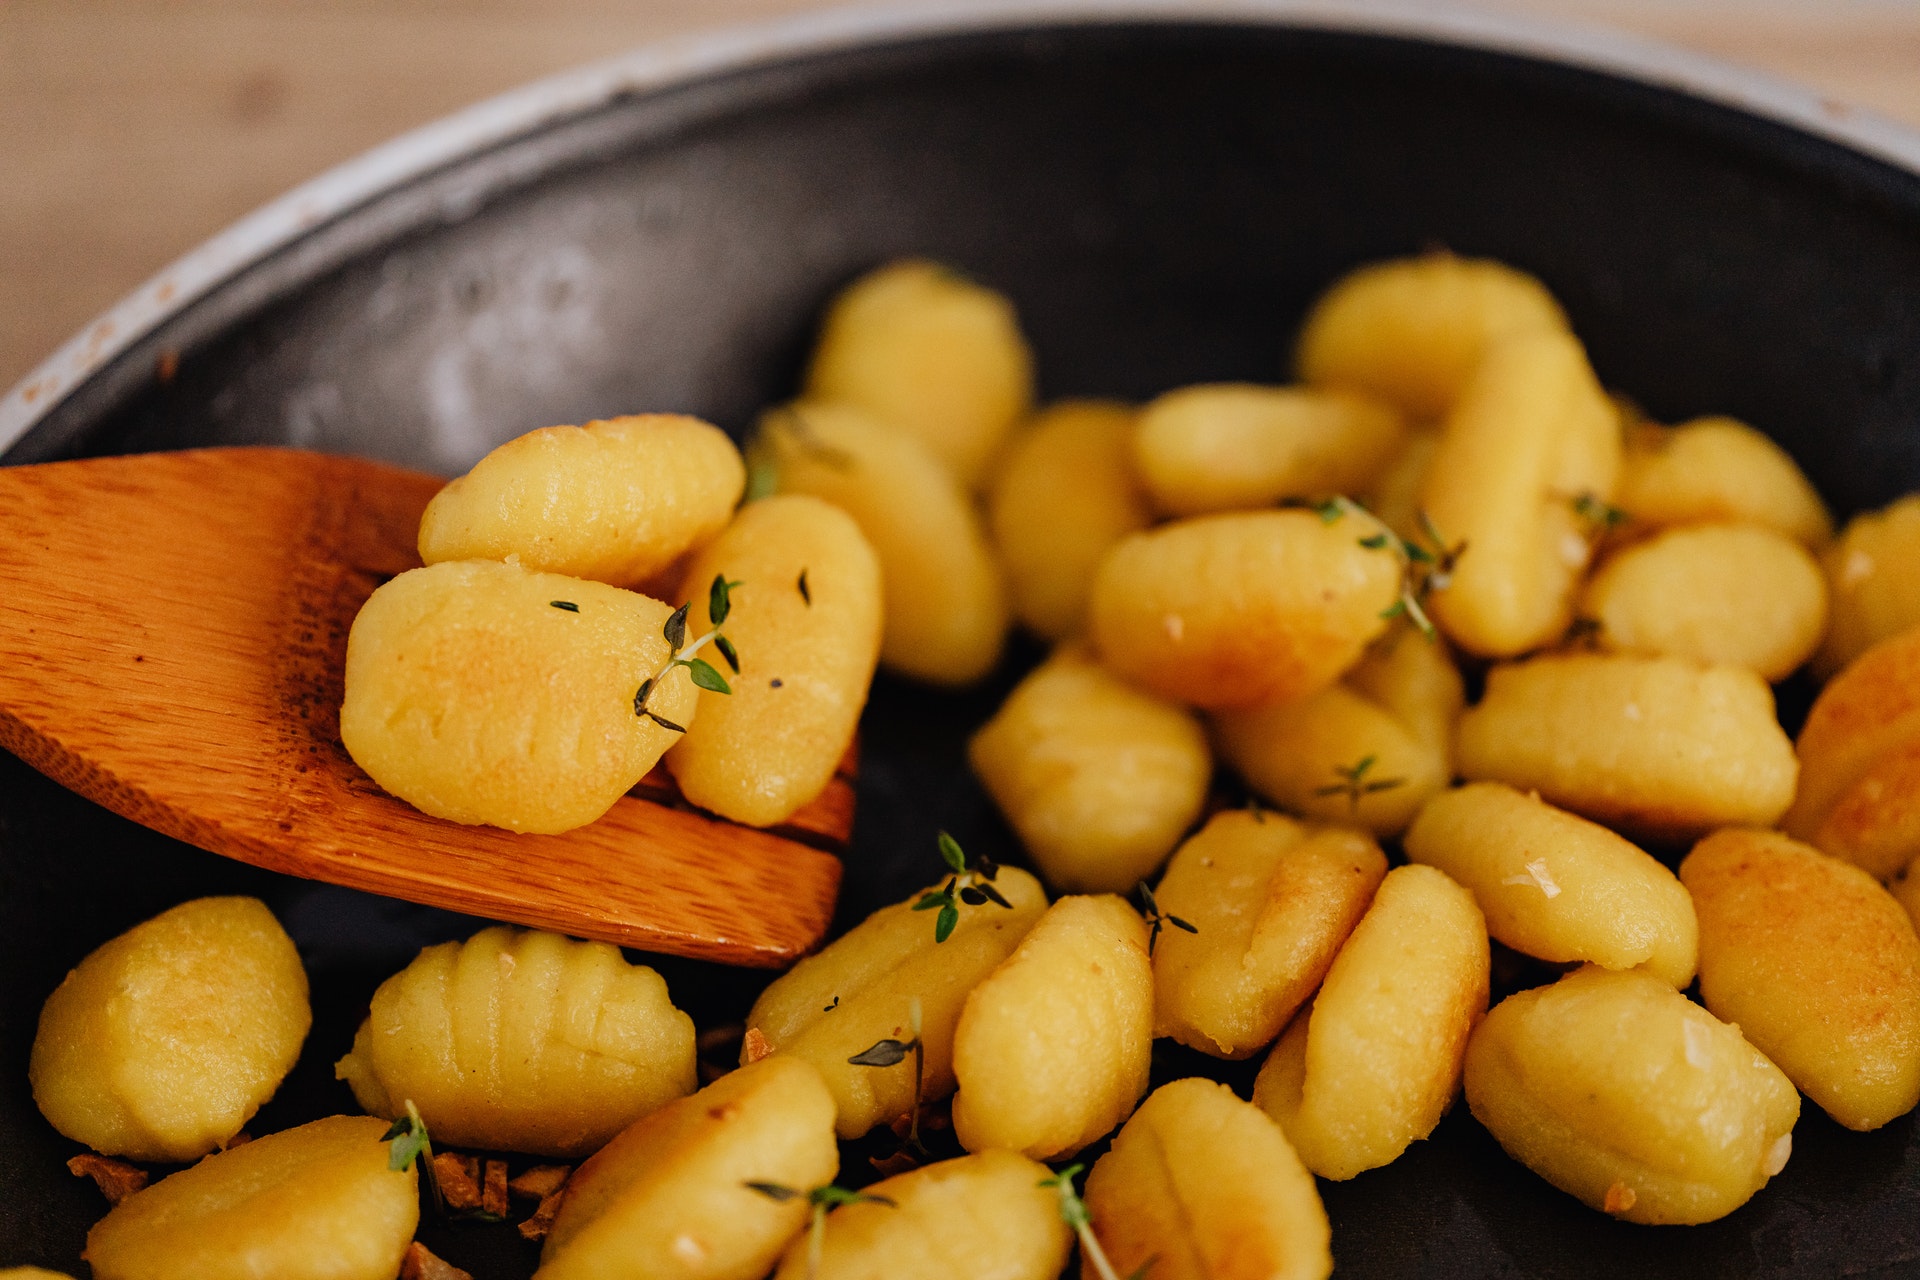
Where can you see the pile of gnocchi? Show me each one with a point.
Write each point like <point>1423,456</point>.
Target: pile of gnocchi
<point>1248,773</point>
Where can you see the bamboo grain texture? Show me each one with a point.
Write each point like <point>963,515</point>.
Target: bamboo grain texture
<point>172,637</point>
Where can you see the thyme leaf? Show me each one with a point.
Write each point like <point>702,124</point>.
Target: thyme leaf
<point>1354,783</point>
<point>568,605</point>
<point>1158,919</point>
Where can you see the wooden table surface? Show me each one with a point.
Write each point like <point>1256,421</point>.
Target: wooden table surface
<point>130,130</point>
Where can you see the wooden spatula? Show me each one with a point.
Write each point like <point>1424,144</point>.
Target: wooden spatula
<point>172,633</point>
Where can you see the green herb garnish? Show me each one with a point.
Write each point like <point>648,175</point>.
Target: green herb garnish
<point>971,883</point>
<point>408,1142</point>
<point>702,672</point>
<point>891,1053</point>
<point>819,1200</point>
<point>1158,919</point>
<point>806,593</point>
<point>1424,569</point>
<point>568,605</point>
<point>1601,516</point>
<point>1354,782</point>
<point>1074,1212</point>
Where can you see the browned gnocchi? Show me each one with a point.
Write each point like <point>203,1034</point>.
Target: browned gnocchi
<point>804,617</point>
<point>1052,1048</point>
<point>522,1040</point>
<point>1659,746</point>
<point>163,1042</point>
<point>1623,1093</point>
<point>1233,610</point>
<point>617,501</point>
<point>1239,447</point>
<point>1157,1203</point>
<point>1556,886</point>
<point>1099,778</point>
<point>1371,1066</point>
<point>1817,964</point>
<point>1270,901</point>
<point>1065,492</point>
<point>931,353</point>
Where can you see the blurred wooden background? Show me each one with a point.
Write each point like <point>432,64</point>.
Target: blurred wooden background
<point>132,129</point>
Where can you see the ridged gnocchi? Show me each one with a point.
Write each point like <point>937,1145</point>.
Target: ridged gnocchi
<point>616,501</point>
<point>1659,746</point>
<point>1367,750</point>
<point>1556,886</point>
<point>1371,1066</point>
<point>1237,446</point>
<point>1237,609</point>
<point>862,987</point>
<point>1873,576</point>
<point>1271,901</point>
<point>805,620</point>
<point>1738,594</point>
<point>1530,444</point>
<point>1623,1093</point>
<point>984,1216</point>
<point>1052,1048</point>
<point>1714,470</point>
<point>931,353</point>
<point>944,599</point>
<point>1817,965</point>
<point>522,1040</point>
<point>1413,330</point>
<point>1065,492</point>
<point>1099,779</point>
<point>475,695</point>
<point>313,1203</point>
<point>163,1042</point>
<point>1159,1202</point>
<point>668,1198</point>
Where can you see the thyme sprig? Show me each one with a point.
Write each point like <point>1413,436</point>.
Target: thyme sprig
<point>1600,515</point>
<point>408,1141</point>
<point>971,883</point>
<point>1354,783</point>
<point>1074,1212</point>
<point>703,673</point>
<point>891,1053</point>
<point>1427,561</point>
<point>819,1201</point>
<point>1158,919</point>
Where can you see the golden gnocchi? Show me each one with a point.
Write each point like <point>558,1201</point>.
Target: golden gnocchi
<point>1623,1093</point>
<point>1660,746</point>
<point>1157,1196</point>
<point>1413,330</point>
<point>475,693</point>
<point>616,501</point>
<point>805,620</point>
<point>944,600</point>
<point>1052,1048</point>
<point>1238,446</point>
<point>1100,779</point>
<point>1271,900</point>
<point>864,986</point>
<point>669,1197</point>
<point>313,1203</point>
<point>1237,609</point>
<point>522,1040</point>
<point>1371,1066</point>
<point>931,353</point>
<point>1873,576</point>
<point>1064,494</point>
<point>1817,965</point>
<point>1714,470</point>
<point>162,1043</point>
<point>1556,886</point>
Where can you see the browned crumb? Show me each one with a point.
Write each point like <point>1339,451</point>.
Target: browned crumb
<point>901,1161</point>
<point>755,1046</point>
<point>116,1178</point>
<point>1620,1198</point>
<point>421,1263</point>
<point>715,1039</point>
<point>493,1195</point>
<point>239,1139</point>
<point>537,1226</point>
<point>459,1179</point>
<point>540,1181</point>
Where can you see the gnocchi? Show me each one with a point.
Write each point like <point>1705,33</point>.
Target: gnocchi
<point>1715,470</point>
<point>1623,1093</point>
<point>1271,900</point>
<point>1100,779</point>
<point>1371,1066</point>
<point>1237,609</point>
<point>1873,578</point>
<point>522,1040</point>
<point>474,694</point>
<point>1052,1048</point>
<point>616,501</point>
<point>805,619</point>
<point>162,1043</point>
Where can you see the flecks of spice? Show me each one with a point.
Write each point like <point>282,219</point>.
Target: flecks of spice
<point>776,683</point>
<point>806,593</point>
